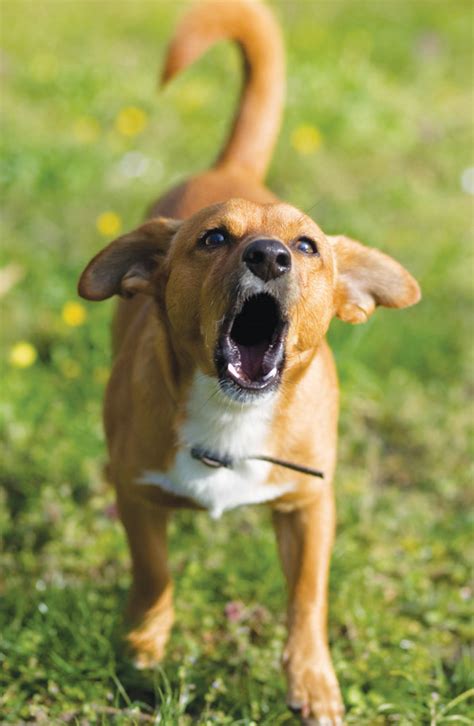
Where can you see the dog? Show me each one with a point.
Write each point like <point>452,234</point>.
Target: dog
<point>223,390</point>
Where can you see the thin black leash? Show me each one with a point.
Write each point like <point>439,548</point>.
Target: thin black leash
<point>210,459</point>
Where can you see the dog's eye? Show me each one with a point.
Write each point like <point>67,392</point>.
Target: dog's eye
<point>214,238</point>
<point>307,246</point>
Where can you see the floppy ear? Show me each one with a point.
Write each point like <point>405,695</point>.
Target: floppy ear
<point>367,278</point>
<point>126,266</point>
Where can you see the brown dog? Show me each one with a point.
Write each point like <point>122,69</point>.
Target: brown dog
<point>221,356</point>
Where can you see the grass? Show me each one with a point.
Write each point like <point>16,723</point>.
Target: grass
<point>386,86</point>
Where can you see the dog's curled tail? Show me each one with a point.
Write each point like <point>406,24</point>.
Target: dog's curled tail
<point>254,28</point>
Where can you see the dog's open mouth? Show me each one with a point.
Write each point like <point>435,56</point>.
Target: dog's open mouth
<point>250,351</point>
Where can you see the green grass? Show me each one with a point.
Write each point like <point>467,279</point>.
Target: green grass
<point>387,85</point>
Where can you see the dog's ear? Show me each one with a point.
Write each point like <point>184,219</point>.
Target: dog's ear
<point>367,278</point>
<point>127,265</point>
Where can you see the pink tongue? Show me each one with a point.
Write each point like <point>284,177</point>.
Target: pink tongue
<point>251,359</point>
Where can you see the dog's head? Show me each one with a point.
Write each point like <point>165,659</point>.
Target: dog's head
<point>248,288</point>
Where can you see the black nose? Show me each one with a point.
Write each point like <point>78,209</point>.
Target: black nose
<point>267,258</point>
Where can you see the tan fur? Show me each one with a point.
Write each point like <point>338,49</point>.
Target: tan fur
<point>167,333</point>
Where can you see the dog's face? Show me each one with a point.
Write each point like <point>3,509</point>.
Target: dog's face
<point>247,288</point>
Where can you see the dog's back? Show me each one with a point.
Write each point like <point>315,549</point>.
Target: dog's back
<point>241,166</point>
<point>242,163</point>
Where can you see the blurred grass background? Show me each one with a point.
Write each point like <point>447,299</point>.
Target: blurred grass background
<point>376,143</point>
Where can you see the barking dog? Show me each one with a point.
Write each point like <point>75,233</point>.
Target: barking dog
<point>221,370</point>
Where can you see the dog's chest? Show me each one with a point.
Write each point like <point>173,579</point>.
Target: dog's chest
<point>223,427</point>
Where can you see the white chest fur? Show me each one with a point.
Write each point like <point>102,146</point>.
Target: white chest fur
<point>223,426</point>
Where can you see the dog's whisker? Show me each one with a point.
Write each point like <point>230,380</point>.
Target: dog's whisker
<point>310,209</point>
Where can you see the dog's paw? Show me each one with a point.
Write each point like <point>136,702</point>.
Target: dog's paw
<point>146,661</point>
<point>147,641</point>
<point>313,690</point>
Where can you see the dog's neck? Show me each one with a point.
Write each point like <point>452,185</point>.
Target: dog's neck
<point>212,421</point>
<point>215,422</point>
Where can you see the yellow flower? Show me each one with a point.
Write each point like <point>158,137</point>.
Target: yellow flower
<point>70,368</point>
<point>22,354</point>
<point>73,314</point>
<point>101,374</point>
<point>108,224</point>
<point>131,121</point>
<point>306,139</point>
<point>86,129</point>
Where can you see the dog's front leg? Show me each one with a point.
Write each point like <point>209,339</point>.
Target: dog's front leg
<point>305,539</point>
<point>150,606</point>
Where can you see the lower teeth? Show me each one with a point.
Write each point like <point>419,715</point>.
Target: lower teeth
<point>232,370</point>
<point>270,374</point>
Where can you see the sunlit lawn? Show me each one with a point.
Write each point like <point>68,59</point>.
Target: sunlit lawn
<point>375,143</point>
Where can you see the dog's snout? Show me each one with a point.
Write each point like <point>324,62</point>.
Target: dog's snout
<point>267,258</point>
